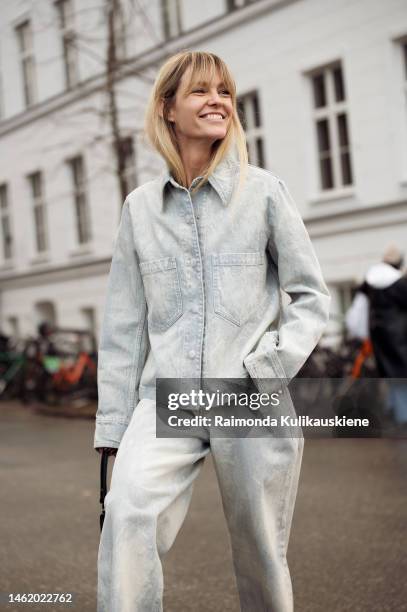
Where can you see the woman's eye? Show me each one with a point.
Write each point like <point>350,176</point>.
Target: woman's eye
<point>225,92</point>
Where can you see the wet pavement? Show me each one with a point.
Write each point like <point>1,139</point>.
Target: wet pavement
<point>347,545</point>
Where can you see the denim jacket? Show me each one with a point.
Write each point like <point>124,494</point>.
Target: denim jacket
<point>194,290</point>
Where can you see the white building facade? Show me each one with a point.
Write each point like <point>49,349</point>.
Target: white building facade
<point>322,94</point>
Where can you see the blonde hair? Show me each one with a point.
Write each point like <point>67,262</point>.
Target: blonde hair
<point>160,131</point>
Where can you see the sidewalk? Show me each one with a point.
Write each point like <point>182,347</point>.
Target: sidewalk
<point>346,549</point>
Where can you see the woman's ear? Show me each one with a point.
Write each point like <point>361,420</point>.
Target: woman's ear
<point>161,111</point>
<point>170,114</point>
<point>161,108</point>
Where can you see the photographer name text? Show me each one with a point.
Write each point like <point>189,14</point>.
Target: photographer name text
<point>267,421</point>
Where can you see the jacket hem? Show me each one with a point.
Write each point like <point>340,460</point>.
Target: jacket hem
<point>147,392</point>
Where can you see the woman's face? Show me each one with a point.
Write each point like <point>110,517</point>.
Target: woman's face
<point>203,113</point>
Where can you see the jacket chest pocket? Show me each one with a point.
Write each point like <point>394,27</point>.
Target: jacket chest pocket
<point>163,292</point>
<point>237,284</point>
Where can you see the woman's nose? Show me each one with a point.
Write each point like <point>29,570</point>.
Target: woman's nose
<point>214,96</point>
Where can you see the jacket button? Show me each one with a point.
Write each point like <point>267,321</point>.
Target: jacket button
<point>191,354</point>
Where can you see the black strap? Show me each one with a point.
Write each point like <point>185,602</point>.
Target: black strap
<point>103,484</point>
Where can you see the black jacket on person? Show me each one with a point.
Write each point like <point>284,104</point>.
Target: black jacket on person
<point>386,288</point>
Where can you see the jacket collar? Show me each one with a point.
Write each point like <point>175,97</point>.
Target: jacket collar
<point>222,179</point>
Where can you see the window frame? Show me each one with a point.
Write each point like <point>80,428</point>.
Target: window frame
<point>329,114</point>
<point>39,206</point>
<point>80,199</point>
<point>251,119</point>
<point>5,222</point>
<point>130,163</point>
<point>171,19</point>
<point>65,13</point>
<point>25,45</point>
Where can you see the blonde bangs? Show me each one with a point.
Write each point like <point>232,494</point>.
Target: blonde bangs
<point>204,69</point>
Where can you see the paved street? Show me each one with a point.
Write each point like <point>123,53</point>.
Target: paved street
<point>347,547</point>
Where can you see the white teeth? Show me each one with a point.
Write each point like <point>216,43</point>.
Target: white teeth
<point>212,116</point>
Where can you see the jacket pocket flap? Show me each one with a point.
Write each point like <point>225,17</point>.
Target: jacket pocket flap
<point>158,265</point>
<point>238,259</point>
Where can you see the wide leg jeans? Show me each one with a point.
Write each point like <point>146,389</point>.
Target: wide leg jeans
<point>150,492</point>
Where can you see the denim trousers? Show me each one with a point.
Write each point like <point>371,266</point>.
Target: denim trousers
<point>150,492</point>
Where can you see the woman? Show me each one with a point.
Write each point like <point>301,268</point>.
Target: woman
<point>201,254</point>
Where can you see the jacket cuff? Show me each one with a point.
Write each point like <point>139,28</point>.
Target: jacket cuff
<point>109,433</point>
<point>267,372</point>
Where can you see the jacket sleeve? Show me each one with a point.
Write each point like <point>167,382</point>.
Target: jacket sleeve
<point>123,343</point>
<point>280,354</point>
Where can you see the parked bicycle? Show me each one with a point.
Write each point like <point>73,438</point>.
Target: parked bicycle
<point>57,366</point>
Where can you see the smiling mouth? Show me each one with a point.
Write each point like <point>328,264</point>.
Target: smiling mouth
<point>212,117</point>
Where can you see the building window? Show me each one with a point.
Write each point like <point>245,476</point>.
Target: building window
<point>250,117</point>
<point>80,200</point>
<point>129,163</point>
<point>26,51</point>
<point>171,18</point>
<point>68,38</point>
<point>331,126</point>
<point>39,211</point>
<point>5,223</point>
<point>232,5</point>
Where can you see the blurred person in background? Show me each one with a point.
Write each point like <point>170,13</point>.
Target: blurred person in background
<point>45,341</point>
<point>162,315</point>
<point>357,316</point>
<point>385,287</point>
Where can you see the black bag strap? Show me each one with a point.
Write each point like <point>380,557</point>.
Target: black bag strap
<point>103,484</point>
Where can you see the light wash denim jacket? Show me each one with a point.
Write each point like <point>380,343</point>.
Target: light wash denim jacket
<point>194,291</point>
